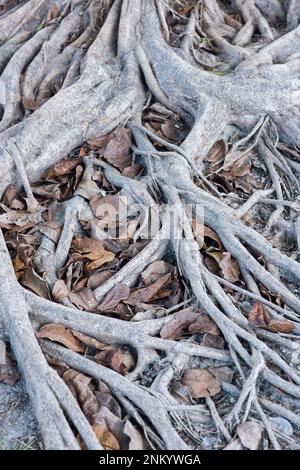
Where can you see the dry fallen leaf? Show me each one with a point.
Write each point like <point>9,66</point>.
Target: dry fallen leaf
<point>62,168</point>
<point>156,270</point>
<point>118,149</point>
<point>159,289</point>
<point>79,386</point>
<point>250,434</point>
<point>230,268</point>
<point>217,152</point>
<point>31,280</point>
<point>259,318</point>
<point>61,334</point>
<point>116,358</point>
<point>178,324</point>
<point>60,290</point>
<point>203,324</point>
<point>201,383</point>
<point>92,250</point>
<point>105,437</point>
<point>114,297</point>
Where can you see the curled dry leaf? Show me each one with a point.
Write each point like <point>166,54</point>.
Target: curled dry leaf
<point>116,358</point>
<point>8,372</point>
<point>60,291</point>
<point>61,334</point>
<point>52,230</point>
<point>32,281</point>
<point>259,318</point>
<point>201,383</point>
<point>89,340</point>
<point>97,278</point>
<point>79,386</point>
<point>114,297</point>
<point>133,170</point>
<point>230,268</point>
<point>217,152</point>
<point>156,270</point>
<point>188,321</point>
<point>205,236</point>
<point>250,434</point>
<point>213,341</point>
<point>19,218</point>
<point>234,167</point>
<point>62,168</point>
<point>105,437</point>
<point>92,250</point>
<point>118,149</point>
<point>84,299</point>
<point>159,289</point>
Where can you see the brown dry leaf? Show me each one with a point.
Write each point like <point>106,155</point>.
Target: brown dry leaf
<point>179,323</point>
<point>32,281</point>
<point>97,278</point>
<point>281,326</point>
<point>114,297</point>
<point>98,142</point>
<point>8,372</point>
<point>105,437</point>
<point>230,268</point>
<point>84,299</point>
<point>203,324</point>
<point>52,230</point>
<point>115,358</point>
<point>250,434</point>
<point>217,152</point>
<point>19,218</point>
<point>235,167</point>
<point>205,235</point>
<point>62,168</point>
<point>19,266</point>
<point>169,130</point>
<point>62,335</point>
<point>157,290</point>
<point>11,200</point>
<point>87,189</point>
<point>156,270</point>
<point>104,398</point>
<point>60,290</point>
<point>118,149</point>
<point>213,341</point>
<point>79,386</point>
<point>133,170</point>
<point>247,183</point>
<point>89,340</point>
<point>92,250</point>
<point>259,317</point>
<point>201,383</point>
